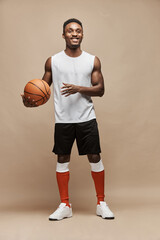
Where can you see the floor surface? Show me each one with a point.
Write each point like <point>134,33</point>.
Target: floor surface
<point>132,222</point>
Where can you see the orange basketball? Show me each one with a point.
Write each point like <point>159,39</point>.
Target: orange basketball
<point>38,90</point>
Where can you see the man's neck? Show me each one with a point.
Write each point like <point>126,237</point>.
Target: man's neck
<point>73,52</point>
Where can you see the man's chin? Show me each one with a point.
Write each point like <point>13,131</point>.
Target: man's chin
<point>75,45</point>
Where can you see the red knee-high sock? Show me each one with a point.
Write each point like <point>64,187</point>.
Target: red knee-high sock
<point>98,178</point>
<point>62,180</point>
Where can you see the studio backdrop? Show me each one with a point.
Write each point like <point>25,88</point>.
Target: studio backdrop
<point>125,35</point>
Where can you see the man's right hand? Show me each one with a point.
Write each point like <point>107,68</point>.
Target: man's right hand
<point>28,102</point>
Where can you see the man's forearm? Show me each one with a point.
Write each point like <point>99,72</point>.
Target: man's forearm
<point>91,91</point>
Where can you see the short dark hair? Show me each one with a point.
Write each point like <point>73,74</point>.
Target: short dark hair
<point>69,21</point>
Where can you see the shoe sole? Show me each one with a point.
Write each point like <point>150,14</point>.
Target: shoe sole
<point>55,219</point>
<point>109,218</point>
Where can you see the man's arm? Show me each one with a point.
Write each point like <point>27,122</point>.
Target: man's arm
<point>46,77</point>
<point>97,88</point>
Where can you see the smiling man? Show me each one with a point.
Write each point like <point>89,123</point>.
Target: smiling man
<point>76,76</point>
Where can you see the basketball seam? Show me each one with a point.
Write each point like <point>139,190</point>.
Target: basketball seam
<point>39,100</point>
<point>38,88</point>
<point>34,94</point>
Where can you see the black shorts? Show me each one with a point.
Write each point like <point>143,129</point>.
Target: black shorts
<point>85,133</point>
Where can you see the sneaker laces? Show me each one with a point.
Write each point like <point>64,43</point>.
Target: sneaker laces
<point>60,207</point>
<point>105,207</point>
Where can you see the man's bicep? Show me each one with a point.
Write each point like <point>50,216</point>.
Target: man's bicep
<point>97,76</point>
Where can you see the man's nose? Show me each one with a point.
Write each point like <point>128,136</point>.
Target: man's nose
<point>74,33</point>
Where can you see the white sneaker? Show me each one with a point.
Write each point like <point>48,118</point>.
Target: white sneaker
<point>104,211</point>
<point>62,211</point>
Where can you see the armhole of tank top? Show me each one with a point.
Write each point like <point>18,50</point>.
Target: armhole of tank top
<point>52,67</point>
<point>93,62</point>
<point>52,64</point>
<point>51,61</point>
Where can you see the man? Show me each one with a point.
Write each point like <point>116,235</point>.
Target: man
<point>76,76</point>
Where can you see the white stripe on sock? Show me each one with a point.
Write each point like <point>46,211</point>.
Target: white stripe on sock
<point>62,167</point>
<point>97,167</point>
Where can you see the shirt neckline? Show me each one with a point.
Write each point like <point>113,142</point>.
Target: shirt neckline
<point>73,57</point>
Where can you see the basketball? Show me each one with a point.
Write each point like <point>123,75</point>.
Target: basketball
<point>38,90</point>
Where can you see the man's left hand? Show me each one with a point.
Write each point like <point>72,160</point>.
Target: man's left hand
<point>69,89</point>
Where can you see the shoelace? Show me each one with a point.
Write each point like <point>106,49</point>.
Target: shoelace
<point>106,209</point>
<point>59,209</point>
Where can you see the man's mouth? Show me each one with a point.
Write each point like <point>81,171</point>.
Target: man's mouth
<point>75,39</point>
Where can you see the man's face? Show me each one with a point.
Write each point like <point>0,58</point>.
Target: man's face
<point>73,35</point>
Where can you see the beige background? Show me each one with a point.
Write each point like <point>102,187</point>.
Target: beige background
<point>125,35</point>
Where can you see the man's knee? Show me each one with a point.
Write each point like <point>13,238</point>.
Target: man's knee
<point>94,158</point>
<point>63,158</point>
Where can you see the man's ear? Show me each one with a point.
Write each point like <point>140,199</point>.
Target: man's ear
<point>63,35</point>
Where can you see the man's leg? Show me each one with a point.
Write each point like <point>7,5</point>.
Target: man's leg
<point>97,171</point>
<point>64,137</point>
<point>62,174</point>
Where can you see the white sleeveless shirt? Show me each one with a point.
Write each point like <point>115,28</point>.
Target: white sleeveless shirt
<point>76,107</point>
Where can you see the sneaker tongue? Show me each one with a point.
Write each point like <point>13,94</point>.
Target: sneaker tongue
<point>103,203</point>
<point>62,205</point>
